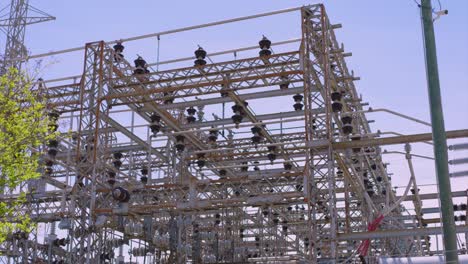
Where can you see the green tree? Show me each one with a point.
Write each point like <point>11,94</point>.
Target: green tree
<point>23,129</point>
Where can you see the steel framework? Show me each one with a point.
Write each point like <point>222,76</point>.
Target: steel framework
<point>177,186</point>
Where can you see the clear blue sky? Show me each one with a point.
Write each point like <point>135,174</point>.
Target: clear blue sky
<point>384,37</point>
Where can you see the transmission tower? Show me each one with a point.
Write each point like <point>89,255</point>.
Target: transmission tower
<point>13,24</point>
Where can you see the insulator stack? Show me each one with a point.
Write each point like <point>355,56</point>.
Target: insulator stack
<point>337,106</point>
<point>48,170</point>
<point>265,45</point>
<point>180,143</point>
<point>118,52</point>
<point>111,177</point>
<point>298,102</point>
<point>200,54</point>
<point>257,137</point>
<point>168,97</point>
<point>239,113</point>
<point>459,207</point>
<point>271,153</point>
<point>191,115</point>
<point>144,175</point>
<point>201,162</point>
<point>284,82</point>
<point>117,160</point>
<point>53,120</point>
<point>213,135</point>
<point>244,166</point>
<point>140,66</point>
<point>347,126</point>
<point>155,124</point>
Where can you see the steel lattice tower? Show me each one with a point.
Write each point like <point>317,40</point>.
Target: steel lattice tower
<point>20,15</point>
<point>171,184</point>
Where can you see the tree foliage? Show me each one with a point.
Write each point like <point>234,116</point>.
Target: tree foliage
<point>23,129</point>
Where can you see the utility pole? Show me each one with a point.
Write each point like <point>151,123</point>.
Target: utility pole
<point>438,135</point>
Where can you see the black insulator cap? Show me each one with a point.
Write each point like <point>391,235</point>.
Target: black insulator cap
<point>287,166</point>
<point>237,119</point>
<point>264,43</point>
<point>117,163</point>
<point>201,163</point>
<point>52,152</point>
<point>222,172</point>
<point>256,130</point>
<point>336,96</point>
<point>180,147</point>
<point>191,119</point>
<point>271,156</point>
<point>111,174</point>
<point>155,118</point>
<point>144,179</point>
<point>298,106</point>
<point>337,106</point>
<point>200,53</point>
<point>53,143</point>
<point>245,167</point>
<point>298,97</point>
<point>118,155</point>
<point>144,171</point>
<point>256,139</point>
<point>237,108</point>
<point>271,148</point>
<point>214,132</point>
<point>199,62</point>
<point>155,128</point>
<point>264,53</point>
<point>212,137</point>
<point>191,111</point>
<point>180,138</point>
<point>140,62</point>
<point>118,47</point>
<point>346,119</point>
<point>347,129</point>
<point>379,178</point>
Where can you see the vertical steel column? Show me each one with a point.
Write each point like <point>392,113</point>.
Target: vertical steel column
<point>438,134</point>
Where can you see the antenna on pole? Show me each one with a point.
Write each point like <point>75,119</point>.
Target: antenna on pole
<point>14,25</point>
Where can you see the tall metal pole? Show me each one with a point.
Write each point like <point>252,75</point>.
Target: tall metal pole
<point>438,135</point>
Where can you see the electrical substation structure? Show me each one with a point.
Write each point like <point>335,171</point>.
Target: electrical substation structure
<point>307,185</point>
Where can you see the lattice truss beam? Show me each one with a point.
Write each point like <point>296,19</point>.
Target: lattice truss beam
<point>177,185</point>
